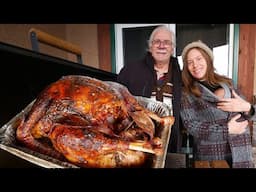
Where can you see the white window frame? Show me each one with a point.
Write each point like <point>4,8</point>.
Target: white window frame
<point>119,43</point>
<point>231,50</point>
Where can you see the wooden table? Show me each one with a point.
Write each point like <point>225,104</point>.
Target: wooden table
<point>212,164</point>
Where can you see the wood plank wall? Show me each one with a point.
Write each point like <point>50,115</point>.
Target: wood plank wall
<point>247,55</point>
<point>104,47</point>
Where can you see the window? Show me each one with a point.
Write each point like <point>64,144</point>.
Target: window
<point>131,42</point>
<point>217,36</point>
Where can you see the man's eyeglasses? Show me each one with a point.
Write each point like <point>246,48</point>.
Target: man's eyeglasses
<point>158,42</point>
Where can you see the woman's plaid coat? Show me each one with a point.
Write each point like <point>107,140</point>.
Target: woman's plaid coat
<point>208,125</point>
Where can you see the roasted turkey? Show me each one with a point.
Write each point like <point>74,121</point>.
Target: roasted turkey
<point>91,123</point>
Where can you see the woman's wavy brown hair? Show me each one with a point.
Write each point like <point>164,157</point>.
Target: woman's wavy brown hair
<point>211,77</point>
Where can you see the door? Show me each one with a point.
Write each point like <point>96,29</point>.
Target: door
<point>131,42</point>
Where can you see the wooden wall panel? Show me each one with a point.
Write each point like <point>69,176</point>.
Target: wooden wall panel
<point>247,45</point>
<point>85,36</point>
<point>18,35</point>
<point>104,47</point>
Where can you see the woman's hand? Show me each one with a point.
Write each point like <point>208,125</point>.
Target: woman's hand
<point>236,104</point>
<point>235,127</point>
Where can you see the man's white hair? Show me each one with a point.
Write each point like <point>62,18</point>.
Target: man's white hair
<point>159,28</point>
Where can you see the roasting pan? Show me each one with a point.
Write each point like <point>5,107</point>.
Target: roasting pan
<point>8,141</point>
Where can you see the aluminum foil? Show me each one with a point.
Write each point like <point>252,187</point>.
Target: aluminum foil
<point>8,139</point>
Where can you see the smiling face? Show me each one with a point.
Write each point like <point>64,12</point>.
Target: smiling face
<point>197,64</point>
<point>161,46</point>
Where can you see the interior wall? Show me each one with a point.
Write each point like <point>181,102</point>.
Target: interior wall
<point>246,59</point>
<point>83,35</point>
<point>18,35</point>
<point>105,47</point>
<point>254,83</point>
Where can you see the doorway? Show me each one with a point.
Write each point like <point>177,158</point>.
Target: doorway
<point>131,42</point>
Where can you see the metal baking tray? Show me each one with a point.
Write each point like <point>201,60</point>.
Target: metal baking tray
<point>8,140</point>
